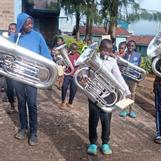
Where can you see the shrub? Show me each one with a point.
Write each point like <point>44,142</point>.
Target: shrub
<point>69,40</point>
<point>146,64</point>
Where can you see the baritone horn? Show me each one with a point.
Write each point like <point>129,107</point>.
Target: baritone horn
<point>130,70</point>
<point>101,86</point>
<point>64,59</point>
<point>24,65</point>
<point>154,51</point>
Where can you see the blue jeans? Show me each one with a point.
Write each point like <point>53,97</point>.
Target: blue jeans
<point>27,95</point>
<point>95,113</point>
<point>69,82</point>
<point>10,89</point>
<point>158,109</point>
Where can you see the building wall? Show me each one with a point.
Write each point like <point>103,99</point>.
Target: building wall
<point>6,13</point>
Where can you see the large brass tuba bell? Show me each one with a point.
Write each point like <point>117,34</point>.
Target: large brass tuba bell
<point>130,70</point>
<point>64,59</point>
<point>154,51</point>
<point>26,66</point>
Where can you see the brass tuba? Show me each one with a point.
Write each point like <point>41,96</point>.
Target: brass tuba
<point>101,84</point>
<point>154,51</point>
<point>64,59</point>
<point>130,70</point>
<point>26,66</point>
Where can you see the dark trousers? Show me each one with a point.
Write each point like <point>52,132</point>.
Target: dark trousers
<point>158,109</point>
<point>69,82</point>
<point>94,114</point>
<point>10,89</point>
<point>27,95</point>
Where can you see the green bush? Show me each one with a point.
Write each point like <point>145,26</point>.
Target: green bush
<point>69,40</point>
<point>146,64</point>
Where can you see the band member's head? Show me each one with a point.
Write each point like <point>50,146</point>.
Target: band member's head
<point>24,23</point>
<point>105,47</point>
<point>11,28</point>
<point>59,41</point>
<point>28,25</point>
<point>73,47</point>
<point>131,46</point>
<point>89,42</point>
<point>122,48</point>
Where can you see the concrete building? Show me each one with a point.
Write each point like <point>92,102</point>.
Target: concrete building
<point>6,13</point>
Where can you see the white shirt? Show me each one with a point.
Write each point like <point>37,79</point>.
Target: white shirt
<point>112,66</point>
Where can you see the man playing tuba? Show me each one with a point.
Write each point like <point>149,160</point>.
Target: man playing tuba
<point>27,94</point>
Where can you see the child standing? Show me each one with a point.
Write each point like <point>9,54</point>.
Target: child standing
<point>135,58</point>
<point>69,79</point>
<point>95,113</point>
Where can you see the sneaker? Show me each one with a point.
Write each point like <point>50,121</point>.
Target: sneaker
<point>92,149</point>
<point>5,99</point>
<point>62,105</point>
<point>11,109</point>
<point>123,113</point>
<point>21,135</point>
<point>105,149</point>
<point>70,105</point>
<point>132,114</point>
<point>157,140</point>
<point>33,140</point>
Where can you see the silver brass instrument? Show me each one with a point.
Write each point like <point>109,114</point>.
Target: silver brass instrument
<point>101,86</point>
<point>64,60</point>
<point>154,51</point>
<point>130,70</point>
<point>26,66</point>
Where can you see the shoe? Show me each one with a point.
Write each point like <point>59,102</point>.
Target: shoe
<point>33,140</point>
<point>22,134</point>
<point>92,149</point>
<point>132,114</point>
<point>123,113</point>
<point>62,105</point>
<point>11,109</point>
<point>5,99</point>
<point>70,105</point>
<point>157,140</point>
<point>105,149</point>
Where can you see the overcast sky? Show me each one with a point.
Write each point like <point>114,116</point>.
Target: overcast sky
<point>146,27</point>
<point>141,27</point>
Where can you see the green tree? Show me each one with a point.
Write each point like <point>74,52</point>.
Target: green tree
<point>127,10</point>
<point>74,7</point>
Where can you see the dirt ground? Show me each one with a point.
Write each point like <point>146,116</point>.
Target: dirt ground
<point>63,134</point>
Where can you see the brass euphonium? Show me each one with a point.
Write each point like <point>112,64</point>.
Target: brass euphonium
<point>26,66</point>
<point>64,60</point>
<point>154,51</point>
<point>130,70</point>
<point>101,86</point>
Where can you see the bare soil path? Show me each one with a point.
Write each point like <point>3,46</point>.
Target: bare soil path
<point>63,134</point>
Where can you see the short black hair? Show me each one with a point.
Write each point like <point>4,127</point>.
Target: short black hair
<point>123,43</point>
<point>12,24</point>
<point>104,43</point>
<point>59,37</point>
<point>131,41</point>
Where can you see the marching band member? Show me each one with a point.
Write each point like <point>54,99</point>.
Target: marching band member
<point>95,113</point>
<point>69,79</point>
<point>26,94</point>
<point>135,58</point>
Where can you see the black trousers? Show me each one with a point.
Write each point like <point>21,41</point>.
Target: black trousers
<point>95,113</point>
<point>69,82</point>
